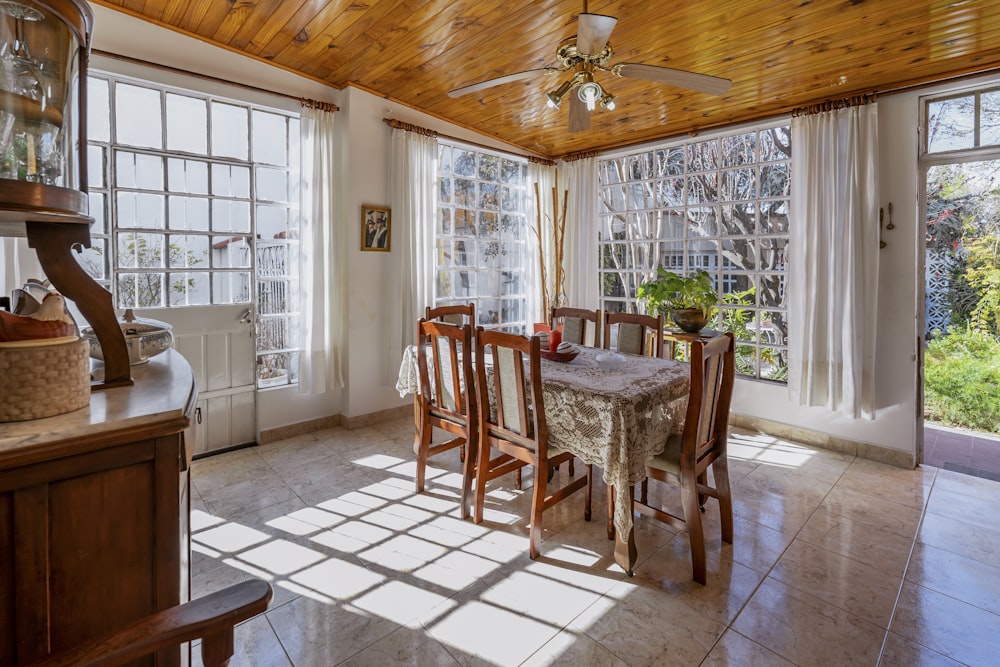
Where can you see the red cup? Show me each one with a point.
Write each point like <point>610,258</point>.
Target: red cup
<point>555,337</point>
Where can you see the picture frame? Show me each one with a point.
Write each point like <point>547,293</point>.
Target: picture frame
<point>376,228</point>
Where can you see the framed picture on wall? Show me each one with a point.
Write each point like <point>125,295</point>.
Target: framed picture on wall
<point>376,227</point>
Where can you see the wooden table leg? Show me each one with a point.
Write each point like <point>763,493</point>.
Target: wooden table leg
<point>625,551</point>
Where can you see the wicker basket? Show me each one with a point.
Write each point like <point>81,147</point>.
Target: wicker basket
<point>44,380</point>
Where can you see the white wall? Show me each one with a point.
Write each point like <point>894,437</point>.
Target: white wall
<point>900,295</point>
<point>373,277</point>
<point>374,281</point>
<point>894,426</point>
<point>123,35</point>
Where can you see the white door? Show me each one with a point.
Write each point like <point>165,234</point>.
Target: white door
<point>218,343</point>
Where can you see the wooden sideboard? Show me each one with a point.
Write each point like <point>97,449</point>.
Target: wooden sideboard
<point>95,514</point>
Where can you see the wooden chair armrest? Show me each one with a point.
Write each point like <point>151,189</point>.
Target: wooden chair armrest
<point>211,618</point>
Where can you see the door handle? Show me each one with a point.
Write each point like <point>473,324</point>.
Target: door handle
<point>246,317</point>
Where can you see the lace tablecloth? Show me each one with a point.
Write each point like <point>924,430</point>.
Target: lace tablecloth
<point>611,419</point>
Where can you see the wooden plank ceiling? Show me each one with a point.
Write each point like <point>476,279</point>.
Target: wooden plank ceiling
<point>780,54</point>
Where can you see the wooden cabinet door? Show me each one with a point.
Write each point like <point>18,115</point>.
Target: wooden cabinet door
<point>94,542</point>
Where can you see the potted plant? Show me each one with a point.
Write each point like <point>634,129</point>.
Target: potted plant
<point>688,300</point>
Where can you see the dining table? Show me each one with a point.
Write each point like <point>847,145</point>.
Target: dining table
<point>613,418</point>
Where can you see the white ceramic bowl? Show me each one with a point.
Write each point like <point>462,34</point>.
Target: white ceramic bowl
<point>610,361</point>
<point>144,338</point>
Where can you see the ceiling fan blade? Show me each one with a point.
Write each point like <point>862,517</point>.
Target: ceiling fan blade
<point>701,83</point>
<point>593,32</point>
<point>489,83</point>
<point>579,117</point>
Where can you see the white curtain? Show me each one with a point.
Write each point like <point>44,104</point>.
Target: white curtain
<point>322,280</point>
<point>833,260</point>
<point>412,192</point>
<point>540,210</point>
<point>581,253</point>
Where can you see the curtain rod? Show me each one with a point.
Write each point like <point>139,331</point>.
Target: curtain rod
<point>312,104</point>
<point>408,127</point>
<point>834,105</point>
<point>580,155</point>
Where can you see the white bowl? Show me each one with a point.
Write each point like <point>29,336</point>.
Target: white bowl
<point>610,361</point>
<point>145,338</point>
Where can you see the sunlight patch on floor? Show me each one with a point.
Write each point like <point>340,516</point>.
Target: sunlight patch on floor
<point>768,449</point>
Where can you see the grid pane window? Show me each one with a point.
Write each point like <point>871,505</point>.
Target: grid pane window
<point>718,205</point>
<point>210,219</point>
<point>481,235</point>
<point>963,122</point>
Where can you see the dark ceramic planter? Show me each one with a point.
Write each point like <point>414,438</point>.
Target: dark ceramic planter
<point>691,320</point>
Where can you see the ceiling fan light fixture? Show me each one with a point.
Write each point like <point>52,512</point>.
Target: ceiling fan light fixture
<point>555,96</point>
<point>608,102</point>
<point>590,93</point>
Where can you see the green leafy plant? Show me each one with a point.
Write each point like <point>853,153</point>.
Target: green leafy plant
<point>672,291</point>
<point>959,368</point>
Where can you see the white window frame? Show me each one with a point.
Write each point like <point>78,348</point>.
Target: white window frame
<point>254,278</point>
<point>500,260</point>
<point>654,174</point>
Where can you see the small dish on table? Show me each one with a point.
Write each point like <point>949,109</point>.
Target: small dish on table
<point>565,352</point>
<point>610,361</point>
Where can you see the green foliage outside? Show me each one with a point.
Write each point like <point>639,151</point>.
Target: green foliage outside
<point>672,291</point>
<point>962,364</point>
<point>961,376</point>
<point>739,321</point>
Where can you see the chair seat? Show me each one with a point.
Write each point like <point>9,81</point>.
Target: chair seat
<point>556,452</point>
<point>669,460</point>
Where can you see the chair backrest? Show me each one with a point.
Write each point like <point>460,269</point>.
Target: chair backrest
<point>574,324</point>
<point>707,421</point>
<point>634,333</point>
<point>457,314</point>
<point>519,413</point>
<point>444,353</point>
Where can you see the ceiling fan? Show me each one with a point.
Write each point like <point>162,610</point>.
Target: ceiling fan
<point>590,52</point>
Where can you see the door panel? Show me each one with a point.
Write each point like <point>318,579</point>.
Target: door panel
<point>218,343</point>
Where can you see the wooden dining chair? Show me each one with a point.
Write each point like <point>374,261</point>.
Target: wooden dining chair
<point>210,618</point>
<point>445,400</point>
<point>457,314</point>
<point>514,425</point>
<point>574,324</point>
<point>677,343</point>
<point>687,457</point>
<point>637,334</point>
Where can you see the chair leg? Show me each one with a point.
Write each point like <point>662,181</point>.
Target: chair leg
<point>703,480</point>
<point>611,512</point>
<point>482,467</point>
<point>537,506</point>
<point>423,443</point>
<point>590,492</point>
<point>696,535</point>
<point>572,471</point>
<point>720,470</point>
<point>644,492</point>
<point>468,474</point>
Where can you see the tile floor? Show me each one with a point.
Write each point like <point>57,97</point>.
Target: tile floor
<point>976,454</point>
<point>836,561</point>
